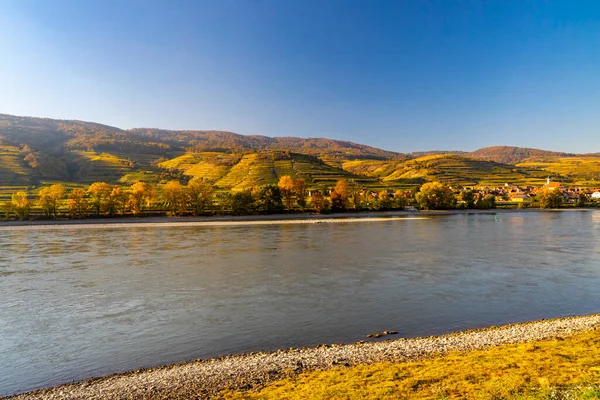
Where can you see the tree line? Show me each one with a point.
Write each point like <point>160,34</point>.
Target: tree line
<point>199,197</point>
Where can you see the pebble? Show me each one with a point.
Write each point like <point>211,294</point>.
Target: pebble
<point>206,378</point>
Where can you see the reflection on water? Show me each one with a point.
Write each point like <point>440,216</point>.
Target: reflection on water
<point>79,303</point>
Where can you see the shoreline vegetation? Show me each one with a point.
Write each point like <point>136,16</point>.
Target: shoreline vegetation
<point>199,198</point>
<point>323,371</point>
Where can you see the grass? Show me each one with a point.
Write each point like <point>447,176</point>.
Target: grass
<point>550,369</point>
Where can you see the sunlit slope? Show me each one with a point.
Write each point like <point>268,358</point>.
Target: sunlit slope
<point>239,172</point>
<point>578,171</point>
<point>447,168</point>
<point>14,170</point>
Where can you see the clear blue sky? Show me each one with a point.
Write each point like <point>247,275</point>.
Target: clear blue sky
<point>401,75</point>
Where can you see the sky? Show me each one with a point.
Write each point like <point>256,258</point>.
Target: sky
<point>403,75</point>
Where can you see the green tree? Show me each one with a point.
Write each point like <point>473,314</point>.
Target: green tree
<point>242,203</point>
<point>384,201</point>
<point>78,204</point>
<point>354,193</point>
<point>435,196</point>
<point>49,197</point>
<point>400,199</point>
<point>269,199</point>
<point>468,198</point>
<point>549,198</point>
<point>485,202</point>
<point>20,205</point>
<point>200,194</point>
<point>99,192</point>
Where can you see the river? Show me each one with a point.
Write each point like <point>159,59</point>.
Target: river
<point>80,302</point>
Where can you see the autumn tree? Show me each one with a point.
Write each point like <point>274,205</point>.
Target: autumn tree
<point>200,194</point>
<point>300,192</point>
<point>337,201</point>
<point>141,196</point>
<point>49,197</point>
<point>116,202</point>
<point>269,199</point>
<point>20,205</point>
<point>549,198</point>
<point>6,208</point>
<point>78,204</point>
<point>435,196</point>
<point>384,201</point>
<point>341,188</point>
<point>286,187</point>
<point>400,199</point>
<point>99,192</point>
<point>175,197</point>
<point>319,203</point>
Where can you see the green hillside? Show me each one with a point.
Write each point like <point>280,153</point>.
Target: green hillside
<point>576,170</point>
<point>35,151</point>
<point>447,168</point>
<point>260,168</point>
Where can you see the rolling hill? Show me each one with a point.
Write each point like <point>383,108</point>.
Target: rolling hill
<point>40,151</point>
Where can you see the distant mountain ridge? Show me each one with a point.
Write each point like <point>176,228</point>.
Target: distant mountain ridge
<point>34,151</point>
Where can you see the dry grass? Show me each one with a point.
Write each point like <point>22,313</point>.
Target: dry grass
<point>550,369</point>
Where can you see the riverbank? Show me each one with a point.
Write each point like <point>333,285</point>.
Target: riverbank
<point>371,216</point>
<point>208,378</point>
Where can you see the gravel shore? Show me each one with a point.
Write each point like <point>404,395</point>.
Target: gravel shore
<point>204,379</point>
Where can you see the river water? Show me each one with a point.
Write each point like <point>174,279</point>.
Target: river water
<point>80,302</point>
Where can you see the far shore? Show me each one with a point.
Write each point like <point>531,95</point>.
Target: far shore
<point>204,379</point>
<point>228,220</point>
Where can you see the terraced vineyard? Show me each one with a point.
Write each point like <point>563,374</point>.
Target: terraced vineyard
<point>579,171</point>
<point>104,167</point>
<point>14,170</point>
<point>447,168</point>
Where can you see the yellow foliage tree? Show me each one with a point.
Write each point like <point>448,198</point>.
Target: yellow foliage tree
<point>20,204</point>
<point>78,204</point>
<point>175,197</point>
<point>286,186</point>
<point>142,195</point>
<point>49,197</point>
<point>99,192</point>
